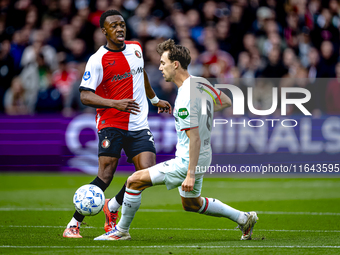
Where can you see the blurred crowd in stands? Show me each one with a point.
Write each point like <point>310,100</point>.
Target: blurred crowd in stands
<point>44,46</point>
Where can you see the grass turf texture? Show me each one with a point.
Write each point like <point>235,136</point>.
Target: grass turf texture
<point>35,208</point>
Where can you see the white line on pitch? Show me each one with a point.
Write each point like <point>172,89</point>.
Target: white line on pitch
<point>165,210</point>
<point>177,246</point>
<point>187,229</point>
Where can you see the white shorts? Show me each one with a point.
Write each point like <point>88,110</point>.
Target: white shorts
<point>172,173</point>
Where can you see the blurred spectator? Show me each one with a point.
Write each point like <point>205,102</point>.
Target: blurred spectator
<point>194,23</point>
<point>216,63</point>
<point>290,61</point>
<point>313,59</point>
<point>209,12</point>
<point>49,99</point>
<point>101,6</point>
<point>35,77</point>
<point>327,61</point>
<point>333,93</point>
<point>325,30</point>
<point>6,69</point>
<point>152,62</point>
<point>78,51</point>
<point>263,14</point>
<point>99,39</point>
<point>223,35</point>
<point>72,103</point>
<point>195,68</point>
<point>237,29</point>
<point>39,46</point>
<point>83,29</point>
<point>142,13</point>
<point>15,101</point>
<point>64,77</point>
<point>249,42</point>
<point>305,46</point>
<point>157,28</point>
<point>20,41</point>
<point>275,67</point>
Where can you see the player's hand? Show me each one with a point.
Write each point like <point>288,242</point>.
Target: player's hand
<point>188,184</point>
<point>127,105</point>
<point>163,106</point>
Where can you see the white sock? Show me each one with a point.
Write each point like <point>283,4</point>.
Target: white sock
<point>114,205</point>
<point>73,223</point>
<point>215,207</point>
<point>242,219</point>
<point>131,203</point>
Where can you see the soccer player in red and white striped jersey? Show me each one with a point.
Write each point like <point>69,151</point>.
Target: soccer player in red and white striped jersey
<point>116,84</point>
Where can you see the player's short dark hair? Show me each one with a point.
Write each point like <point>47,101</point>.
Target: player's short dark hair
<point>106,14</point>
<point>176,52</point>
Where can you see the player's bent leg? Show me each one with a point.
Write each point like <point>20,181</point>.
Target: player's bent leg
<point>214,207</point>
<point>132,200</point>
<point>107,167</point>
<point>141,161</point>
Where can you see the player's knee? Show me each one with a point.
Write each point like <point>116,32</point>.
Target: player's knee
<point>133,182</point>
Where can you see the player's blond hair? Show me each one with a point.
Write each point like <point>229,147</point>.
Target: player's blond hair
<point>176,52</point>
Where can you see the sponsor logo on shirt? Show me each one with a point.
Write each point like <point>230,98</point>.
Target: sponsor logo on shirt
<point>126,75</point>
<point>87,75</point>
<point>183,113</point>
<point>138,54</point>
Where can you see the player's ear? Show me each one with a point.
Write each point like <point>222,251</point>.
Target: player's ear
<point>176,64</point>
<point>104,31</point>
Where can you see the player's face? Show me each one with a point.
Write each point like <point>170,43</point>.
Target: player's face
<point>167,67</point>
<point>115,30</point>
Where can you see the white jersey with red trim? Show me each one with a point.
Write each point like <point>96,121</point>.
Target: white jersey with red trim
<point>195,94</point>
<point>118,75</point>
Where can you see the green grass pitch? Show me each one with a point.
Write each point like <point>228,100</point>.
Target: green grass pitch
<point>296,216</point>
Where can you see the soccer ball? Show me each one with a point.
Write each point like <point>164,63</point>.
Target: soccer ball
<point>89,200</point>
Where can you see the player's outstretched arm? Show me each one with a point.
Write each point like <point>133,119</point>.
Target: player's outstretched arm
<point>226,102</point>
<point>163,106</point>
<point>89,98</point>
<point>194,152</point>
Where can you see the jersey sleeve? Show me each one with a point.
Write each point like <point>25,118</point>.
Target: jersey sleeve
<point>188,114</point>
<point>93,75</point>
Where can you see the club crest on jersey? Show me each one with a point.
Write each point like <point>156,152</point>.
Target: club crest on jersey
<point>87,75</point>
<point>183,113</point>
<point>106,143</point>
<point>138,54</point>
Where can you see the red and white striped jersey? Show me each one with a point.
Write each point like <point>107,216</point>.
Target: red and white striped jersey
<point>118,75</point>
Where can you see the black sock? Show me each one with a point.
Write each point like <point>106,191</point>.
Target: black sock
<point>98,182</point>
<point>120,195</point>
<point>103,186</point>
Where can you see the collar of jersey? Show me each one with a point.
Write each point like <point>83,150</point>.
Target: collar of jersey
<point>115,50</point>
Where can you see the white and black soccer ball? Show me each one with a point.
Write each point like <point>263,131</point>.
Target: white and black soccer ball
<point>89,200</point>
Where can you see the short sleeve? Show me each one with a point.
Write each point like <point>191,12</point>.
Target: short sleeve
<point>188,115</point>
<point>93,75</point>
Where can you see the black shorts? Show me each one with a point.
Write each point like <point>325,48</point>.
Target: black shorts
<point>113,140</point>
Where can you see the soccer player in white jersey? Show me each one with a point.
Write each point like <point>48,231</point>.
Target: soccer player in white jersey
<point>116,84</point>
<point>193,149</point>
